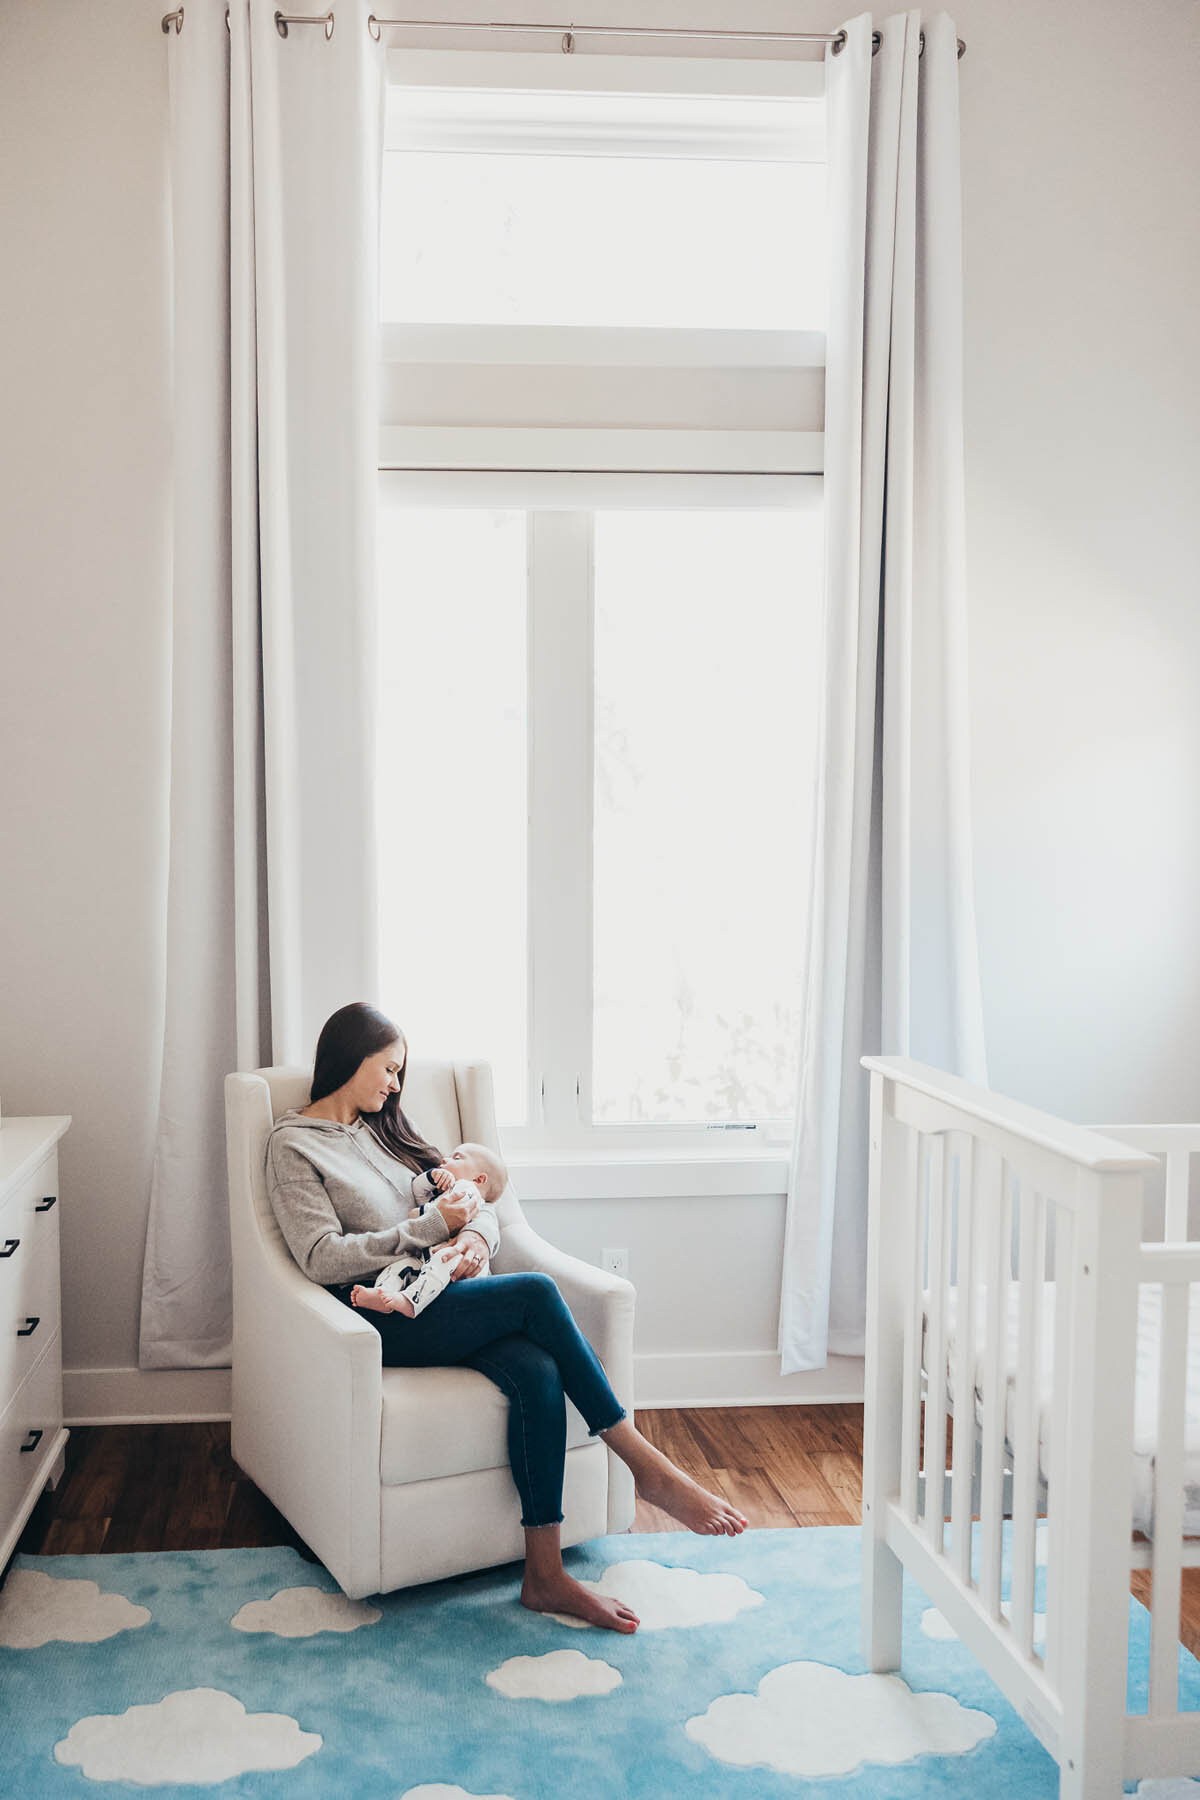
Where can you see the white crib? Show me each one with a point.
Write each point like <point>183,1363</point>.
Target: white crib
<point>1006,1251</point>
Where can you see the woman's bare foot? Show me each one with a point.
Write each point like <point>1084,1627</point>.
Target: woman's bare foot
<point>663,1485</point>
<point>561,1593</point>
<point>685,1500</point>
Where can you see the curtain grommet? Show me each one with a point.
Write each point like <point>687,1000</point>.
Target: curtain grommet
<point>283,20</point>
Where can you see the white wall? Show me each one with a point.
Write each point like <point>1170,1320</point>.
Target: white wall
<point>84,458</point>
<point>1082,252</point>
<point>1082,266</point>
<point>707,1278</point>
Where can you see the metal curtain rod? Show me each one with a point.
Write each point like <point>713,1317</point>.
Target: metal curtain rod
<point>566,35</point>
<point>569,33</point>
<point>282,21</point>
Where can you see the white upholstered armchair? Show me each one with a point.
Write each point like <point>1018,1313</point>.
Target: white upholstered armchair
<point>396,1476</point>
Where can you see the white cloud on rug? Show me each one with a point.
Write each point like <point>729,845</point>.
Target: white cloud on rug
<point>438,1790</point>
<point>37,1609</point>
<point>810,1719</point>
<point>666,1598</point>
<point>936,1625</point>
<point>303,1612</point>
<point>560,1675</point>
<point>198,1735</point>
<point>1172,1787</point>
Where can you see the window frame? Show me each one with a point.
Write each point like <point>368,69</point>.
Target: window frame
<point>617,397</point>
<point>760,397</point>
<point>560,759</point>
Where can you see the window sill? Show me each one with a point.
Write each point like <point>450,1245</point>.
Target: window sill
<point>646,1174</point>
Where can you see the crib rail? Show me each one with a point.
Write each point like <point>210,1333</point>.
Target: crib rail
<point>1001,1253</point>
<point>1174,1267</point>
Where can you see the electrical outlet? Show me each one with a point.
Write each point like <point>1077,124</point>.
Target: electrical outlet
<point>615,1261</point>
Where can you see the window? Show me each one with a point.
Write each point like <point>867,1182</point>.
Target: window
<point>600,580</point>
<point>537,208</point>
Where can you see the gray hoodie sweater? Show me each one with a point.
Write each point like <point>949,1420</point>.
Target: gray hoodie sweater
<point>342,1201</point>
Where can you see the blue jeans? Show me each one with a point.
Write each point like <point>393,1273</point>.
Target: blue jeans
<point>518,1331</point>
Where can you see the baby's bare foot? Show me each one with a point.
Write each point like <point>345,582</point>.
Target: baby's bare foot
<point>563,1594</point>
<point>370,1299</point>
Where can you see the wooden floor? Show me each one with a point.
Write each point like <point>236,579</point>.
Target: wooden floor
<point>176,1487</point>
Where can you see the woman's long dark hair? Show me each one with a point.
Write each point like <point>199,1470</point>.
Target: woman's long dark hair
<point>352,1034</point>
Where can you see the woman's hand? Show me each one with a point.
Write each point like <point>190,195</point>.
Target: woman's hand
<point>458,1212</point>
<point>474,1253</point>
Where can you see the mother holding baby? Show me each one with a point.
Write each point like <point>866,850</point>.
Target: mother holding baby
<point>342,1174</point>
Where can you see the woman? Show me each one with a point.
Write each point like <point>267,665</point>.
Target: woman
<point>339,1173</point>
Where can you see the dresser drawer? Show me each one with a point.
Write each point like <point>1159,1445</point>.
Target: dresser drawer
<point>29,1431</point>
<point>29,1301</point>
<point>29,1212</point>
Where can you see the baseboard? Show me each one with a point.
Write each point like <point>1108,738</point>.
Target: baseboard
<point>741,1378</point>
<point>144,1396</point>
<point>693,1378</point>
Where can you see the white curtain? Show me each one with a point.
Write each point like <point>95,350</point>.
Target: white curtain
<point>892,958</point>
<point>276,157</point>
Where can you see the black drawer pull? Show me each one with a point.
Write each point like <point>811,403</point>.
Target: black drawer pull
<point>30,1326</point>
<point>10,1244</point>
<point>46,1204</point>
<point>35,1438</point>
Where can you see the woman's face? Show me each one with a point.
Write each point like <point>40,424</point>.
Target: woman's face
<point>377,1077</point>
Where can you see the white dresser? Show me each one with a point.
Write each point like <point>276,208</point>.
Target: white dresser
<point>32,1438</point>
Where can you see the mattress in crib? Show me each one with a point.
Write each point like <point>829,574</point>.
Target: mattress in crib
<point>1145,1422</point>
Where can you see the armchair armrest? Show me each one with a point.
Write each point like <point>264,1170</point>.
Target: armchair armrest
<point>307,1411</point>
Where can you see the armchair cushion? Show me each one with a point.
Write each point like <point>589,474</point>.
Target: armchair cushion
<point>447,1422</point>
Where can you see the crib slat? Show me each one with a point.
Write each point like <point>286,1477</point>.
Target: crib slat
<point>997,1255</point>
<point>1168,1502</point>
<point>964,1362</point>
<point>940,1222</point>
<point>910,1402</point>
<point>1030,1271</point>
<point>1175,1228</point>
<point>1056,1453</point>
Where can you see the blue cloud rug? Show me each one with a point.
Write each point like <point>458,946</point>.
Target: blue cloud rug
<point>246,1673</point>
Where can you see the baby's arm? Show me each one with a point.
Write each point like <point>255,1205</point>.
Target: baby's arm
<point>427,1184</point>
<point>485,1221</point>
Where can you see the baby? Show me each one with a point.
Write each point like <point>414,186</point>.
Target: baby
<point>408,1284</point>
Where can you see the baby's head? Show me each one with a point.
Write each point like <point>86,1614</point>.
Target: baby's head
<point>476,1163</point>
